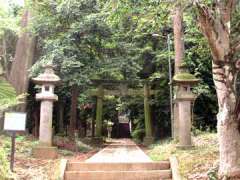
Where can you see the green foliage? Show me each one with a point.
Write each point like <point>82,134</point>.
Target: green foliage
<point>138,134</point>
<point>145,56</point>
<point>4,149</point>
<point>73,39</point>
<point>9,18</point>
<point>6,90</point>
<point>123,40</point>
<point>9,28</point>
<point>8,95</point>
<point>141,28</point>
<point>135,105</point>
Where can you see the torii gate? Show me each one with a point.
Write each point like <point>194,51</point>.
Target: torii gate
<point>123,90</point>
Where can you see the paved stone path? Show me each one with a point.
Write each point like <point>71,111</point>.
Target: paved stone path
<point>120,150</point>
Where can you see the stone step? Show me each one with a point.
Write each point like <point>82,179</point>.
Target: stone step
<point>119,175</point>
<point>125,166</point>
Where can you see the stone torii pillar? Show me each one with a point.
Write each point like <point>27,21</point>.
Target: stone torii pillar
<point>184,97</point>
<point>148,139</point>
<point>99,112</point>
<point>47,80</point>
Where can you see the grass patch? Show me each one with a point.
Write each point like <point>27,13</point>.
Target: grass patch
<point>5,145</point>
<point>65,152</point>
<point>82,147</point>
<point>4,164</point>
<point>193,162</point>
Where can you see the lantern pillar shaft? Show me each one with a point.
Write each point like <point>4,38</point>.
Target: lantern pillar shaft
<point>185,124</point>
<point>45,130</point>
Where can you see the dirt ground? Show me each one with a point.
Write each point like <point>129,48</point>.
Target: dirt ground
<point>28,168</point>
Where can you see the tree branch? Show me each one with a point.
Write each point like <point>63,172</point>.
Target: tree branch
<point>215,25</point>
<point>231,4</point>
<point>237,64</point>
<point>235,48</point>
<point>207,27</point>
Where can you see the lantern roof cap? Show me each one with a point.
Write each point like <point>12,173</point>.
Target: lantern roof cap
<point>48,76</point>
<point>185,78</point>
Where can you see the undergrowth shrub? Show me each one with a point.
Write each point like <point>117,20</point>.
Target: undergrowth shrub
<point>138,134</point>
<point>212,173</point>
<point>4,164</point>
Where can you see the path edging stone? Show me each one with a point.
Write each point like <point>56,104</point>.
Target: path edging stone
<point>175,168</point>
<point>63,166</point>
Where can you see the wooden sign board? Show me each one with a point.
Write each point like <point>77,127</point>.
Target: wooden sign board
<point>15,121</point>
<point>123,119</point>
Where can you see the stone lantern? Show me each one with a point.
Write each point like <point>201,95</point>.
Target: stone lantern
<point>47,81</point>
<point>184,96</point>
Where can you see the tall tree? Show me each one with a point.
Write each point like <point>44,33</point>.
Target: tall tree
<point>73,113</point>
<point>219,22</point>
<point>23,59</point>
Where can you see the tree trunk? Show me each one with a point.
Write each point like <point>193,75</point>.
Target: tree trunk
<point>36,118</point>
<point>217,31</point>
<point>23,60</point>
<point>61,117</point>
<point>80,125</point>
<point>73,111</point>
<point>179,55</point>
<point>5,60</point>
<point>228,134</point>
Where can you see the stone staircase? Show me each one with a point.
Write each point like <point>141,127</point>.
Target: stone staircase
<point>76,170</point>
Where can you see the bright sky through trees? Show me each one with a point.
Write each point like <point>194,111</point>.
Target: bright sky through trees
<point>6,2</point>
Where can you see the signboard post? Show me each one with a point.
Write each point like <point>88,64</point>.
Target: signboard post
<point>14,122</point>
<point>12,150</point>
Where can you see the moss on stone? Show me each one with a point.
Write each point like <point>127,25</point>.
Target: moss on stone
<point>184,77</point>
